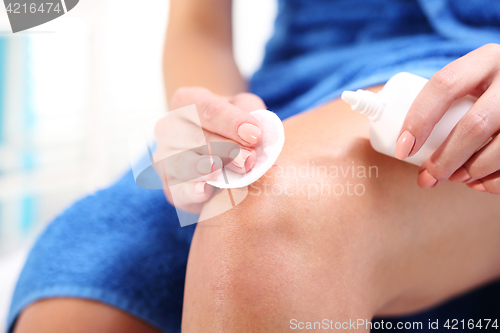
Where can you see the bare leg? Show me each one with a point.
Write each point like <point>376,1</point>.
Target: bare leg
<point>309,254</point>
<point>71,315</point>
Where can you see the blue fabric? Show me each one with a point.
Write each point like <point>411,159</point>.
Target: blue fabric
<point>323,47</point>
<point>124,246</point>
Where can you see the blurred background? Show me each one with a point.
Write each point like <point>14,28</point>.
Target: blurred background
<point>71,91</point>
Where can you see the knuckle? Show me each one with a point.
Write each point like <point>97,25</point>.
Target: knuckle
<point>184,96</point>
<point>446,79</point>
<point>418,123</point>
<point>180,96</point>
<point>478,168</point>
<point>211,108</point>
<point>438,169</point>
<point>475,171</point>
<point>492,51</point>
<point>250,96</point>
<point>420,118</point>
<point>476,125</point>
<point>245,95</point>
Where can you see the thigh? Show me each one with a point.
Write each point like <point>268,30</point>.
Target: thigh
<point>424,239</point>
<point>334,220</point>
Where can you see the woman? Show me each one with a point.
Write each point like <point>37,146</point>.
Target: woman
<point>279,257</point>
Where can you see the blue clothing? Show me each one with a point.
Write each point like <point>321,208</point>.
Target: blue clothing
<point>123,245</point>
<point>322,47</point>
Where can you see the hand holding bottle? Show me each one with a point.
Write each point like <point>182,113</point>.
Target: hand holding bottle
<point>471,152</point>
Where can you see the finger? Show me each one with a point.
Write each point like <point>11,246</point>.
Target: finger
<point>243,160</point>
<point>248,102</point>
<point>178,131</point>
<point>485,161</point>
<point>480,123</point>
<point>491,183</point>
<point>190,193</point>
<point>237,158</point>
<point>452,82</point>
<point>477,185</point>
<point>219,116</point>
<point>189,166</point>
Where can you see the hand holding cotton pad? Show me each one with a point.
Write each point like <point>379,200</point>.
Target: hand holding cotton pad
<point>267,153</point>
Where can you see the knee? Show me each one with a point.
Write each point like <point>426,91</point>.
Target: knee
<point>305,235</point>
<point>288,243</point>
<point>307,207</point>
<point>303,200</point>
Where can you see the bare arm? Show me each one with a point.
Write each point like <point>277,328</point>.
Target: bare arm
<point>199,48</point>
<point>199,69</point>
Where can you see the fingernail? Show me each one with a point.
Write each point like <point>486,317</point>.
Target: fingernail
<point>249,133</point>
<point>460,176</point>
<point>404,145</point>
<point>204,165</point>
<point>199,188</point>
<point>425,180</point>
<point>239,156</point>
<point>478,186</point>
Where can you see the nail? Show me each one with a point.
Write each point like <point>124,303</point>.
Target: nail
<point>404,145</point>
<point>478,186</point>
<point>249,133</point>
<point>204,165</point>
<point>460,176</point>
<point>239,156</point>
<point>425,180</point>
<point>199,187</point>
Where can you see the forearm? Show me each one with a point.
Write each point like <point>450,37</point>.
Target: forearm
<point>198,52</point>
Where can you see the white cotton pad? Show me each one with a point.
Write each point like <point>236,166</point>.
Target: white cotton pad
<point>267,153</point>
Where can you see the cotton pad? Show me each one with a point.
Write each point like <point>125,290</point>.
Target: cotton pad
<point>267,153</point>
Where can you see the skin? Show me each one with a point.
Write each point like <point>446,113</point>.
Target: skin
<point>254,269</point>
<point>394,250</point>
<point>202,71</point>
<point>202,39</point>
<point>216,120</point>
<point>476,73</point>
<point>251,268</point>
<point>70,315</point>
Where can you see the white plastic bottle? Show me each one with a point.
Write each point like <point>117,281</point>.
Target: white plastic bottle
<point>387,110</point>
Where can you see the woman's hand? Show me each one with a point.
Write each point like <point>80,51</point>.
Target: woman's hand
<point>188,142</point>
<point>460,158</point>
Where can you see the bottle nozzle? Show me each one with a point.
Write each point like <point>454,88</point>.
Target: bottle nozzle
<point>365,102</point>
<point>350,97</point>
